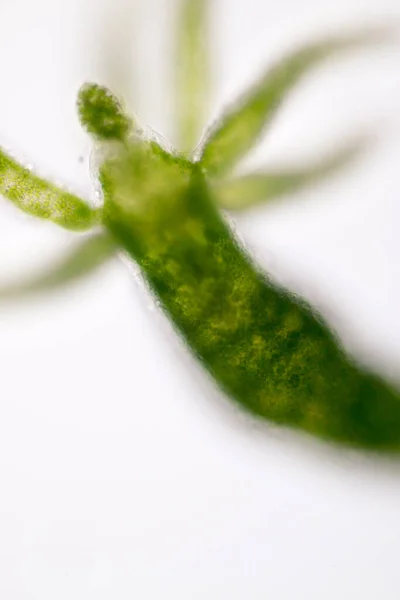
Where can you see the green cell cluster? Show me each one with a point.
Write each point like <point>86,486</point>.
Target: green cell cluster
<point>101,113</point>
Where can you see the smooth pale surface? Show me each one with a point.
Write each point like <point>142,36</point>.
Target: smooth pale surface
<point>123,472</point>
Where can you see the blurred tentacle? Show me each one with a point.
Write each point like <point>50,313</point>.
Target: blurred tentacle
<point>261,187</point>
<point>192,66</point>
<point>240,128</point>
<point>86,257</point>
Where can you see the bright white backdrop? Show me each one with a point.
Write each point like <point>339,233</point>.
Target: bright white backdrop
<point>123,474</point>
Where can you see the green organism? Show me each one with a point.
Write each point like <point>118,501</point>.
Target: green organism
<point>266,349</point>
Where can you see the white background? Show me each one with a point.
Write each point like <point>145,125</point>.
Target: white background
<point>123,473</point>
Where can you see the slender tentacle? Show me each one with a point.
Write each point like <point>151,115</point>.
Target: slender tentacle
<point>192,66</point>
<point>264,186</point>
<point>240,128</point>
<point>86,257</point>
<point>40,198</point>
